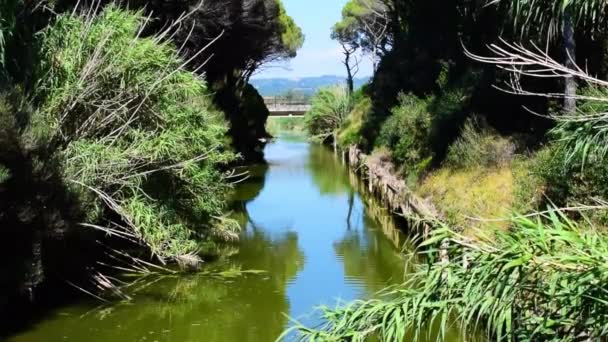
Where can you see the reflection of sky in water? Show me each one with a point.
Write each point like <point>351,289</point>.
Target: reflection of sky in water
<point>297,232</point>
<point>292,201</point>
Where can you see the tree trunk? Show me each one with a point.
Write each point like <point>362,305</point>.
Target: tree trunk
<point>350,85</point>
<point>375,58</point>
<point>570,62</point>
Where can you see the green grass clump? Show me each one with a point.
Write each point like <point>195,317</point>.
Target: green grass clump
<point>407,134</point>
<point>478,146</point>
<point>329,109</point>
<point>136,136</point>
<point>466,195</point>
<point>543,280</point>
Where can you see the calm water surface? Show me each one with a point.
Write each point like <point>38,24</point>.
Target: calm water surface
<point>305,226</point>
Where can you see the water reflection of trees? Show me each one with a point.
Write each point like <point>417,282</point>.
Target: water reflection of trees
<point>369,257</point>
<point>328,174</point>
<point>246,307</point>
<point>251,187</point>
<point>374,250</point>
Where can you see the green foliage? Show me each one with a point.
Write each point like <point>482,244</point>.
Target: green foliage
<point>478,146</point>
<point>544,280</point>
<point>567,181</point>
<point>329,110</point>
<point>407,133</point>
<point>247,116</point>
<point>351,131</point>
<point>573,165</point>
<point>7,26</point>
<point>293,95</point>
<point>5,174</point>
<point>136,135</point>
<point>582,139</point>
<point>529,186</point>
<point>291,34</point>
<point>363,24</point>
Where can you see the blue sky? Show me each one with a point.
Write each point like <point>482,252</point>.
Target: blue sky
<point>320,55</point>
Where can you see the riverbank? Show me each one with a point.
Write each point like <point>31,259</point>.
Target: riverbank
<point>382,181</point>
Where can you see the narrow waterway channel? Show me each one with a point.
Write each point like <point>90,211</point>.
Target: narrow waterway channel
<point>306,227</point>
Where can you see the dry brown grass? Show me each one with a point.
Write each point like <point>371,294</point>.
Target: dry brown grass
<point>467,197</point>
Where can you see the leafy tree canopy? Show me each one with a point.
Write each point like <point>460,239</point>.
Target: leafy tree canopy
<point>291,34</point>
<point>364,24</point>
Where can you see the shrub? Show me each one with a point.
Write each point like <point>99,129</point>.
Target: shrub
<point>136,138</point>
<point>568,182</point>
<point>583,137</point>
<point>329,109</point>
<point>574,164</point>
<point>529,186</point>
<point>479,146</point>
<point>407,133</point>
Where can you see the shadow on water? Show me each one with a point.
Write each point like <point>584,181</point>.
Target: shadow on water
<point>315,236</point>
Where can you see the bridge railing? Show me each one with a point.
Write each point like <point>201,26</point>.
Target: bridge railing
<point>282,101</point>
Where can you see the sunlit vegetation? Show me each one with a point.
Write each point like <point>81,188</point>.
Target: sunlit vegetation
<point>114,144</point>
<point>467,197</point>
<point>330,107</point>
<point>350,131</point>
<point>407,134</point>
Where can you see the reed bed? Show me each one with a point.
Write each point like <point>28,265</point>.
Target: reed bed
<point>543,280</point>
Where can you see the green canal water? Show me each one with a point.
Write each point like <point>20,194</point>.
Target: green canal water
<point>317,239</point>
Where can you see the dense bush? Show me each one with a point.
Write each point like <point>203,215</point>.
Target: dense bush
<point>247,114</point>
<point>568,181</point>
<point>329,110</point>
<point>133,137</point>
<point>573,166</point>
<point>583,138</point>
<point>407,133</point>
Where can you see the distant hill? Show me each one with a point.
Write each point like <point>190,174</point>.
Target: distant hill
<point>306,85</point>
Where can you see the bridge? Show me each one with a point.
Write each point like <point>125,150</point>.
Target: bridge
<point>281,106</point>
